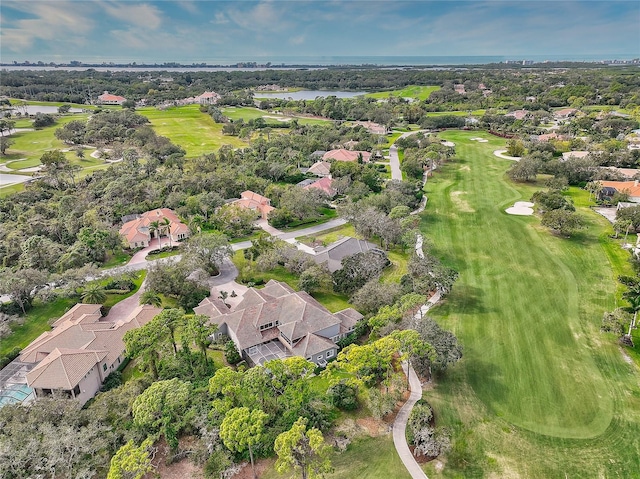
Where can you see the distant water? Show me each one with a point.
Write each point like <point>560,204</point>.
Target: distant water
<point>306,94</point>
<point>288,62</point>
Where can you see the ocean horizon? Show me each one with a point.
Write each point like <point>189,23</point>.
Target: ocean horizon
<point>351,60</point>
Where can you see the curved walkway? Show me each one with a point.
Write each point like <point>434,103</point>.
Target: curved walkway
<point>394,159</point>
<point>400,425</point>
<point>501,154</point>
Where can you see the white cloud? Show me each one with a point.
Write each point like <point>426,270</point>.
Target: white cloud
<point>220,19</point>
<point>264,17</point>
<point>190,6</point>
<point>64,22</point>
<point>297,40</point>
<point>141,15</point>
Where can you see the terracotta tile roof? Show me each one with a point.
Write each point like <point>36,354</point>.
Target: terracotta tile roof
<point>254,201</point>
<point>323,184</point>
<point>109,97</point>
<point>138,229</point>
<point>632,188</point>
<point>346,155</point>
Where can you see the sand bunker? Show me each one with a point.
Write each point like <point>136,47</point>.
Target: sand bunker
<point>448,143</point>
<point>521,208</point>
<point>479,140</point>
<point>279,118</point>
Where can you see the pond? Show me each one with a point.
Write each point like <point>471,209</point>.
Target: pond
<point>306,94</point>
<point>33,109</point>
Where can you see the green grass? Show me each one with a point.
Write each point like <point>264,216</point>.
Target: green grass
<point>162,254</point>
<point>412,91</point>
<point>112,299</point>
<point>117,259</point>
<point>329,236</point>
<point>36,323</point>
<point>37,319</point>
<point>330,300</point>
<point>365,458</point>
<point>540,391</point>
<point>188,127</point>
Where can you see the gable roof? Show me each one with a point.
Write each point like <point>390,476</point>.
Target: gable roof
<point>106,96</point>
<point>64,368</point>
<point>346,155</point>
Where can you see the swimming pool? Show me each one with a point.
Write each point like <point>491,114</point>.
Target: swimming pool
<point>15,393</point>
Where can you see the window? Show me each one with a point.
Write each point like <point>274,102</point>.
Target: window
<point>76,391</point>
<point>118,360</point>
<point>104,367</point>
<point>266,326</point>
<point>330,353</point>
<point>253,350</point>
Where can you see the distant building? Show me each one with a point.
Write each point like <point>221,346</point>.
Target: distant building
<point>320,168</point>
<point>631,188</point>
<point>574,155</point>
<point>565,113</point>
<point>518,114</point>
<point>207,98</point>
<point>333,254</point>
<point>253,201</point>
<point>324,185</point>
<point>346,155</point>
<point>108,99</point>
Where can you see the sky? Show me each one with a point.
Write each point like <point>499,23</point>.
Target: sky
<point>209,30</point>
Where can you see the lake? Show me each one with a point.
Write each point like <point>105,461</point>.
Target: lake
<point>307,94</point>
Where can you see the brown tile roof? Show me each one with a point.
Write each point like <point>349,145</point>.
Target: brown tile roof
<point>312,344</point>
<point>346,155</point>
<point>296,315</point>
<point>320,168</point>
<point>80,330</point>
<point>64,368</point>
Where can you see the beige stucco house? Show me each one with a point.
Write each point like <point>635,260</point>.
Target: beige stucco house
<point>81,351</point>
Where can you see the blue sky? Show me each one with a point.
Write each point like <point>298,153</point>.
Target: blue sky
<point>205,30</point>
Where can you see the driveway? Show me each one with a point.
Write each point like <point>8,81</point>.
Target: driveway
<point>394,159</point>
<point>154,244</point>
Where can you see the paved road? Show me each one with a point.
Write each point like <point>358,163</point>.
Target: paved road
<point>394,159</point>
<point>400,425</point>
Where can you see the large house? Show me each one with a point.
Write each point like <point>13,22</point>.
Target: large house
<point>320,168</point>
<point>276,322</point>
<point>80,352</point>
<point>253,201</point>
<point>139,231</point>
<point>324,185</point>
<point>632,188</point>
<point>346,155</point>
<point>108,99</point>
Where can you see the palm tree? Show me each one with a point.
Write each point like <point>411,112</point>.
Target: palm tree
<point>152,298</point>
<point>154,227</point>
<point>93,294</point>
<point>165,224</point>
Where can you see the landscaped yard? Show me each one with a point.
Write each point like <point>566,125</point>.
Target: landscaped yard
<point>248,113</point>
<point>365,458</point>
<point>188,127</point>
<point>540,391</point>
<point>412,91</point>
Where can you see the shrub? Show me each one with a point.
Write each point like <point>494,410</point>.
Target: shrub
<point>231,353</point>
<point>343,395</point>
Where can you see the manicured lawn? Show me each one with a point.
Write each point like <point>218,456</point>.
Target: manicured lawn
<point>188,127</point>
<point>117,259</point>
<point>37,319</point>
<point>248,113</point>
<point>412,91</point>
<point>31,145</point>
<point>365,458</point>
<point>330,300</point>
<point>540,391</point>
<point>329,236</point>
